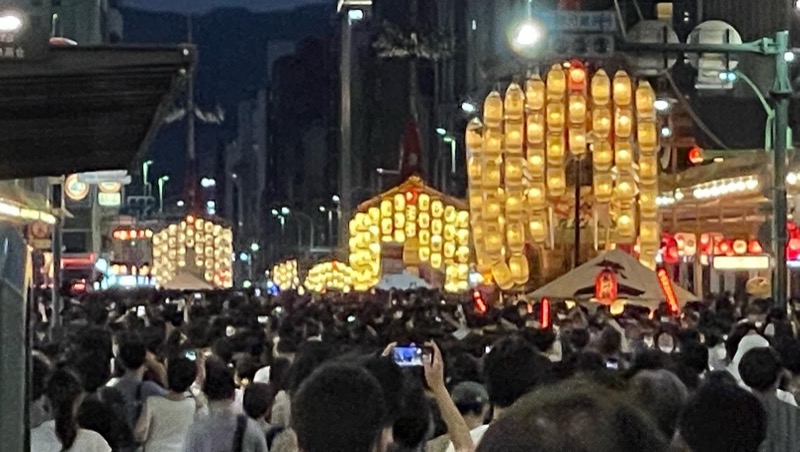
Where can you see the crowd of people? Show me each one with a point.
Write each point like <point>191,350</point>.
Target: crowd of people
<point>413,370</point>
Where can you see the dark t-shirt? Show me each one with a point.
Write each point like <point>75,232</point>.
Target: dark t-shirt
<point>104,413</point>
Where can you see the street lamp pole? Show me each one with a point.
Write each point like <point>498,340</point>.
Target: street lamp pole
<point>161,182</point>
<point>146,177</point>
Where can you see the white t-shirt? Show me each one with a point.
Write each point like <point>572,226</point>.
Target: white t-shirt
<point>44,439</point>
<point>168,423</point>
<point>476,434</point>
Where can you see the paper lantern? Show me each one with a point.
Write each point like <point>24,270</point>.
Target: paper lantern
<point>535,93</point>
<point>493,110</point>
<point>622,88</point>
<point>606,287</point>
<point>601,88</point>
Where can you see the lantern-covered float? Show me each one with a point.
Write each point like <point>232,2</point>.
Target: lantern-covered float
<point>532,143</point>
<point>411,229</point>
<point>193,253</point>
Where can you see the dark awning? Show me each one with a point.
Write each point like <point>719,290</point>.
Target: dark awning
<point>85,108</point>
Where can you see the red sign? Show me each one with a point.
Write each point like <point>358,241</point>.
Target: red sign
<point>669,292</point>
<point>544,313</point>
<point>606,287</point>
<point>480,304</point>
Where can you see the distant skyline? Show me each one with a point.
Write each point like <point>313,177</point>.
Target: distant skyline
<point>204,6</point>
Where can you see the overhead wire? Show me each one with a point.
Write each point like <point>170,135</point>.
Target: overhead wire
<point>695,117</point>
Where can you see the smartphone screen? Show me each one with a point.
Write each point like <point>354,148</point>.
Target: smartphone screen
<point>140,311</point>
<point>191,354</point>
<point>351,319</point>
<point>410,356</point>
<point>263,319</point>
<point>612,364</point>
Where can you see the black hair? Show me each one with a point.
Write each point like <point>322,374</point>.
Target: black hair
<point>723,416</point>
<point>694,355</point>
<point>94,370</point>
<point>310,357</point>
<point>579,338</point>
<point>63,390</point>
<point>219,384</point>
<point>390,377</point>
<point>181,373</point>
<point>339,408</point>
<point>413,422</point>
<point>246,368</point>
<point>132,351</point>
<point>760,368</point>
<point>512,369</point>
<point>257,400</point>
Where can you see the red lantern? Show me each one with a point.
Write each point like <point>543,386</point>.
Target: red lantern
<point>577,76</point>
<point>793,249</point>
<point>740,247</point>
<point>669,292</point>
<point>480,304</point>
<point>696,155</point>
<point>754,247</point>
<point>606,287</point>
<point>411,196</point>
<point>544,313</point>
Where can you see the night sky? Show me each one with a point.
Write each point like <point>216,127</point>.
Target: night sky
<point>203,6</point>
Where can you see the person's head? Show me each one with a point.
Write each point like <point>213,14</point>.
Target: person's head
<point>132,352</point>
<point>610,342</point>
<point>219,385</point>
<point>576,417</point>
<point>246,368</point>
<point>662,395</point>
<point>181,373</point>
<point>760,369</point>
<point>694,355</point>
<point>65,393</point>
<point>723,416</point>
<point>257,400</point>
<point>579,338</point>
<point>472,401</point>
<point>512,369</point>
<point>339,408</point>
<point>94,371</point>
<point>309,358</point>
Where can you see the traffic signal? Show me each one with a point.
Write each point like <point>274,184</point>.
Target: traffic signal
<point>582,45</point>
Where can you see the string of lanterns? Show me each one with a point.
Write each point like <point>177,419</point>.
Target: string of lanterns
<point>285,275</point>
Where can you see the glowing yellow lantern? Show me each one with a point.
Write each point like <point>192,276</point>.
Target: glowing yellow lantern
<point>622,89</point>
<point>645,100</point>
<point>623,154</point>
<point>514,136</point>
<point>555,117</point>
<point>535,126</point>
<point>514,102</point>
<point>577,141</point>
<point>556,82</point>
<point>536,196</point>
<point>535,93</point>
<point>493,110</point>
<point>555,149</point>
<point>623,124</point>
<point>601,121</point>
<point>603,156</point>
<point>577,109</point>
<point>603,187</point>
<point>556,183</point>
<point>538,229</point>
<point>601,89</point>
<point>647,135</point>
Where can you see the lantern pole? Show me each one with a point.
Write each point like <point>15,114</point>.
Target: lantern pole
<point>576,256</point>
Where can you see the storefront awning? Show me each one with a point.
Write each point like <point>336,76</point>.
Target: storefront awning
<point>85,108</point>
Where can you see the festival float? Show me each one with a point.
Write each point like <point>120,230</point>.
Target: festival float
<point>194,253</point>
<point>536,141</point>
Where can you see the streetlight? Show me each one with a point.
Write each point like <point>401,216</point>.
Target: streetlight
<point>336,199</point>
<point>452,142</point>
<point>468,107</point>
<point>281,218</point>
<point>161,181</point>
<point>254,247</point>
<point>526,37</point>
<point>323,209</point>
<point>662,105</point>
<point>441,131</point>
<point>11,22</point>
<point>146,176</point>
<point>285,210</point>
<point>208,182</point>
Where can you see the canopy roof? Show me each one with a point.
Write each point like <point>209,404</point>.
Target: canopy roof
<point>186,281</point>
<point>402,281</point>
<point>413,183</point>
<point>84,108</point>
<point>637,283</point>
